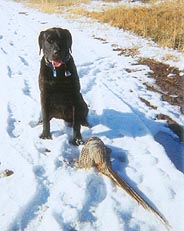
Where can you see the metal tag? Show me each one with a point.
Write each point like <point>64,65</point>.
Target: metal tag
<point>54,73</point>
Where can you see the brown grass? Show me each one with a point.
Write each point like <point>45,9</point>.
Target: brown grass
<point>111,0</point>
<point>52,6</point>
<point>149,1</point>
<point>163,23</point>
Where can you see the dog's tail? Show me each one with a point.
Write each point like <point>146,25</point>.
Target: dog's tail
<point>124,185</point>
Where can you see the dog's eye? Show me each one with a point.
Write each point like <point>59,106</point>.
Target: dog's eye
<point>50,40</point>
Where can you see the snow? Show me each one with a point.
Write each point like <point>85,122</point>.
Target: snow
<point>47,191</point>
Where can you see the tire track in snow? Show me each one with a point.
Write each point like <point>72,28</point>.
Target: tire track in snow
<point>119,96</point>
<point>119,104</point>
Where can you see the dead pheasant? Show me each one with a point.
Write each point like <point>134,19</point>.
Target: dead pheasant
<point>96,154</point>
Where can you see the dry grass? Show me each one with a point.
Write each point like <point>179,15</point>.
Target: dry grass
<point>171,57</point>
<point>52,6</point>
<point>111,0</point>
<point>163,23</point>
<point>149,1</point>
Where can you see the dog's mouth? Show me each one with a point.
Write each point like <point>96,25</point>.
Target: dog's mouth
<point>57,63</point>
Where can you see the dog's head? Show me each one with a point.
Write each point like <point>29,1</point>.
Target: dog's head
<point>56,45</point>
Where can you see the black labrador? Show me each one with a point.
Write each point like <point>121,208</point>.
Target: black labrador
<point>59,83</point>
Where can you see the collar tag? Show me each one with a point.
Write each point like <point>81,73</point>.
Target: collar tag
<point>54,73</point>
<point>67,73</point>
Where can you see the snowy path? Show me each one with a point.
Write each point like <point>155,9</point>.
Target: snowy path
<point>47,192</point>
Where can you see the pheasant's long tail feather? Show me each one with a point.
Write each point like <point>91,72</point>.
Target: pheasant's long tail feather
<point>124,185</point>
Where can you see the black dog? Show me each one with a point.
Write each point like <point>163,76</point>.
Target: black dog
<point>59,83</point>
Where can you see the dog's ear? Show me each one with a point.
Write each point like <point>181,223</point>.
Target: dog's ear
<point>69,39</point>
<point>40,40</point>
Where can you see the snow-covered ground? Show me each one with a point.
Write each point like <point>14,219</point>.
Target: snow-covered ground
<point>47,192</point>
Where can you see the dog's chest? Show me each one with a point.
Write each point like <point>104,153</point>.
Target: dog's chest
<point>59,82</point>
<point>60,90</point>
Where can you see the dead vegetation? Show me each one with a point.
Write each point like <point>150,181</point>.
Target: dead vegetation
<point>169,81</point>
<point>52,6</point>
<point>162,22</point>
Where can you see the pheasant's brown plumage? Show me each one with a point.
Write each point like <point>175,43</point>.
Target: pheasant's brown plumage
<point>96,154</point>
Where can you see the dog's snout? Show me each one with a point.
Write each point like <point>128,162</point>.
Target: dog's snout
<point>56,52</point>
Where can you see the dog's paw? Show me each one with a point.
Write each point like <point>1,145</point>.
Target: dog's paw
<point>77,142</point>
<point>45,136</point>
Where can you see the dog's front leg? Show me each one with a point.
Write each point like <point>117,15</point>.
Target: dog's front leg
<point>46,128</point>
<point>77,138</point>
<point>46,120</point>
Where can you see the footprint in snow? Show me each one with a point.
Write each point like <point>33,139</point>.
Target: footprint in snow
<point>23,60</point>
<point>63,224</point>
<point>9,71</point>
<point>26,89</point>
<point>4,52</point>
<point>11,121</point>
<point>35,123</point>
<point>42,149</point>
<point>95,193</point>
<point>34,210</point>
<point>11,44</point>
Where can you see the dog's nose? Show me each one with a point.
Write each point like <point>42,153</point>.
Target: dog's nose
<point>56,52</point>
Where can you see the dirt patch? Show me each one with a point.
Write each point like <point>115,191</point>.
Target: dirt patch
<point>100,39</point>
<point>147,103</point>
<point>6,173</point>
<point>134,51</point>
<point>170,84</point>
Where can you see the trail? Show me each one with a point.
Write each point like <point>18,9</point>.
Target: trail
<point>47,192</point>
